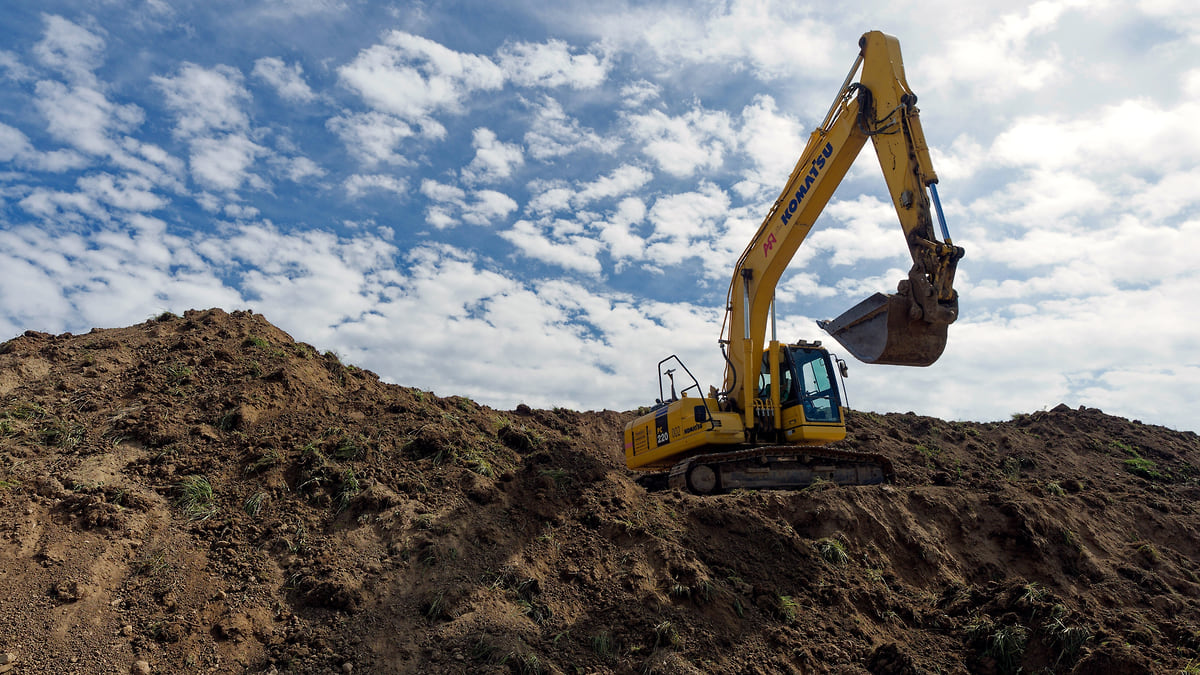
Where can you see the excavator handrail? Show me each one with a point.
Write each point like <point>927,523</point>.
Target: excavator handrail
<point>663,400</point>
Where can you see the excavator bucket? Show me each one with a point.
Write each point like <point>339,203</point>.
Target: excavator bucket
<point>880,330</point>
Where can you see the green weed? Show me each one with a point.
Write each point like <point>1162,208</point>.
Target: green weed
<point>194,494</point>
<point>151,563</point>
<point>602,645</point>
<point>785,606</point>
<point>347,489</point>
<point>1066,640</point>
<point>559,476</point>
<point>254,503</point>
<point>1149,553</point>
<point>1143,468</point>
<point>529,664</point>
<point>1011,468</point>
<point>665,635</point>
<point>1004,644</point>
<point>1033,593</point>
<point>27,411</point>
<point>435,607</point>
<point>267,458</point>
<point>832,551</point>
<point>59,434</point>
<point>930,452</point>
<point>1125,448</point>
<point>178,372</point>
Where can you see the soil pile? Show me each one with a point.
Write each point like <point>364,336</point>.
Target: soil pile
<point>202,493</point>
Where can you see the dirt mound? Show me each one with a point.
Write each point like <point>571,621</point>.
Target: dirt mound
<point>202,493</point>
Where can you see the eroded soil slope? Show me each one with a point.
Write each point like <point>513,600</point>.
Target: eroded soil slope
<point>202,494</point>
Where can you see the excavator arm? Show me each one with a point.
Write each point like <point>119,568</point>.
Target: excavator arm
<point>905,328</point>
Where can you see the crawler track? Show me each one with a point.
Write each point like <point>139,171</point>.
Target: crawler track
<point>774,468</point>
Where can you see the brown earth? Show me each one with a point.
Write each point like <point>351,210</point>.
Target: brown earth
<point>357,526</point>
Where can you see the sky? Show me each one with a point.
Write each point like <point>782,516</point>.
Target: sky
<point>530,202</point>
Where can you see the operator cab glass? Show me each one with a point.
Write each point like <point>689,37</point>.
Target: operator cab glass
<point>818,390</point>
<point>805,378</point>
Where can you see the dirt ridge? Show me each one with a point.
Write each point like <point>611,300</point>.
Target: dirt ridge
<point>204,493</point>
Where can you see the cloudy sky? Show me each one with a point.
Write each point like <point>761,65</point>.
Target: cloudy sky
<point>536,203</point>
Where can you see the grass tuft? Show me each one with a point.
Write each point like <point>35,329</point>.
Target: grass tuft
<point>254,503</point>
<point>833,551</point>
<point>194,494</point>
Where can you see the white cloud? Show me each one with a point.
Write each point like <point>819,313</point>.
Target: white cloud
<point>696,140</point>
<point>224,162</point>
<point>551,64</point>
<point>297,169</point>
<point>412,77</point>
<point>576,253</point>
<point>553,133</point>
<point>14,69</point>
<point>483,207</point>
<point>287,10</point>
<point>16,148</point>
<point>865,228</point>
<point>639,93</point>
<point>240,211</point>
<point>130,193</point>
<point>70,49</point>
<point>358,184</point>
<point>494,159</point>
<point>772,142</point>
<point>996,61</point>
<point>288,81</point>
<point>488,208</point>
<point>550,196</point>
<point>84,118</point>
<point>373,137</point>
<point>1114,139</point>
<point>205,100</point>
<point>622,180</point>
<point>618,234</point>
<point>685,225</point>
<point>773,38</point>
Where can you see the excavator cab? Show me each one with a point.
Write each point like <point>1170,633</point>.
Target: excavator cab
<point>806,407</point>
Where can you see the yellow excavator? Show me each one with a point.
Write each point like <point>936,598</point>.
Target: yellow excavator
<point>780,403</point>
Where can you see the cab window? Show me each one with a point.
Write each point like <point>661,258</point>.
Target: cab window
<point>818,390</point>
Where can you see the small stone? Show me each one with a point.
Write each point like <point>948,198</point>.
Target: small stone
<point>140,668</point>
<point>347,667</point>
<point>7,667</point>
<point>7,657</point>
<point>126,630</point>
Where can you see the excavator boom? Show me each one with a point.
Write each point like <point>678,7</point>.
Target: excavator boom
<point>905,328</point>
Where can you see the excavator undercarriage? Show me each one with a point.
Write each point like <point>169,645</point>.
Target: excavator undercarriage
<point>776,467</point>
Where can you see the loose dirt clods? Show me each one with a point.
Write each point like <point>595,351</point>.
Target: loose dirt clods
<point>202,493</point>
